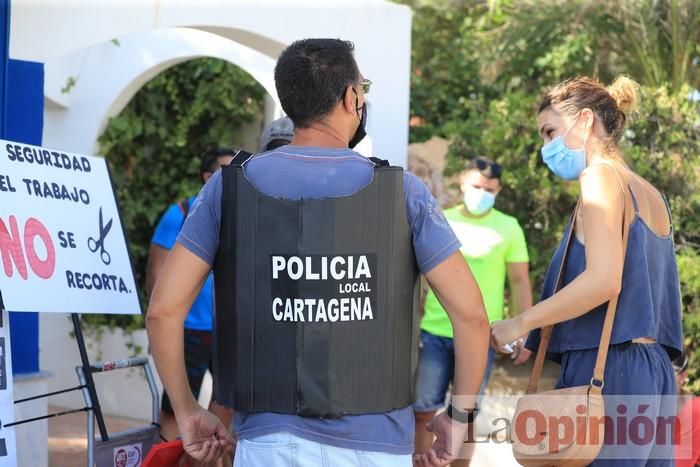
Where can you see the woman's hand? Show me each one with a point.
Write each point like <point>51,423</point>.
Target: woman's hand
<point>520,355</point>
<point>507,331</point>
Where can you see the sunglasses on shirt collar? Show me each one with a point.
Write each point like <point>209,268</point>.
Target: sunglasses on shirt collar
<point>679,368</point>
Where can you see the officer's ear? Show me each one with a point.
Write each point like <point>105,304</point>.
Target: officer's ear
<point>350,100</point>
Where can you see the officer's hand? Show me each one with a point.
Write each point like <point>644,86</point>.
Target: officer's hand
<point>203,435</point>
<point>450,436</point>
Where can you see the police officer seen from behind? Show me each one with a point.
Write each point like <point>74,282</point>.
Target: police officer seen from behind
<point>316,252</point>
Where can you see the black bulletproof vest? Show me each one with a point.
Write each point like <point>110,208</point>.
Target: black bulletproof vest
<point>315,300</point>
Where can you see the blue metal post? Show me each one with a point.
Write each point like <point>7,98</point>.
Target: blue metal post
<point>22,120</point>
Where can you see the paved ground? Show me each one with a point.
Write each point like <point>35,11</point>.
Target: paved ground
<point>67,439</point>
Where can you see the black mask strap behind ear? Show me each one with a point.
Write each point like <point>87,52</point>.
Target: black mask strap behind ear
<point>357,107</point>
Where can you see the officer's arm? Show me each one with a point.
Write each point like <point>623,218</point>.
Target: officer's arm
<point>156,259</point>
<point>178,284</point>
<point>455,287</point>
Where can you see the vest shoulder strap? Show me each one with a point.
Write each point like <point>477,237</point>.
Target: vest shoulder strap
<point>379,162</point>
<point>240,158</point>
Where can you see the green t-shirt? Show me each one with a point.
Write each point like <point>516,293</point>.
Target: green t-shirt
<point>488,244</point>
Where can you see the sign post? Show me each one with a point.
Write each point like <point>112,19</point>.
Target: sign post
<point>90,382</point>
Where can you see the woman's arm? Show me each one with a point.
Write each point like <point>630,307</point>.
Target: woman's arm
<point>602,202</point>
<point>204,436</point>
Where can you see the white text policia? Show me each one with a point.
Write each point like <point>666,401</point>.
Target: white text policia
<point>337,267</point>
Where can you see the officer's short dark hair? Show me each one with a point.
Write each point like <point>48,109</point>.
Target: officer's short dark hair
<point>487,167</point>
<point>209,162</point>
<point>311,76</point>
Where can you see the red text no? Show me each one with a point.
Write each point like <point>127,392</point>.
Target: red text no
<point>13,252</point>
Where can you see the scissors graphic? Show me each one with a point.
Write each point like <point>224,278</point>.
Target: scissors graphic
<point>93,244</point>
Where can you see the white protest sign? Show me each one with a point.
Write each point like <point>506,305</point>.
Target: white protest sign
<point>8,450</point>
<point>62,245</point>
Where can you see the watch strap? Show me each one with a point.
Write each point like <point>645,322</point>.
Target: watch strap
<point>462,416</point>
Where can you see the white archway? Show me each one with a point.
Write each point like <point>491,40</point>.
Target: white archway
<point>108,75</point>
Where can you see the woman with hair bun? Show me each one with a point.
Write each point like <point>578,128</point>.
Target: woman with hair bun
<point>581,122</point>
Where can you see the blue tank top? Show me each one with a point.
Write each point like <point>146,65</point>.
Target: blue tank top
<point>649,304</point>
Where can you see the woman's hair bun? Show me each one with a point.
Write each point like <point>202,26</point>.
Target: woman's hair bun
<point>625,91</point>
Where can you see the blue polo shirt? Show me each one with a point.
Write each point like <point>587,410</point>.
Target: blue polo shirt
<point>199,317</point>
<point>293,172</point>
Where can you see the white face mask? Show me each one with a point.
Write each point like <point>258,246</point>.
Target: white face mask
<point>478,201</point>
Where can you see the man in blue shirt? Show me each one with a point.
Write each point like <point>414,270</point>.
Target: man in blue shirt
<point>323,92</point>
<point>198,323</point>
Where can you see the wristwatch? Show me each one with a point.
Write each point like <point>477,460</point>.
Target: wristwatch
<point>460,416</point>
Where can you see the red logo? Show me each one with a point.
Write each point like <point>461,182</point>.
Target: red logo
<point>120,458</point>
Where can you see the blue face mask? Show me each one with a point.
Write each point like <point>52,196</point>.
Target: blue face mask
<point>478,201</point>
<point>562,161</point>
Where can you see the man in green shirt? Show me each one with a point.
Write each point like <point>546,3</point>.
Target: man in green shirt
<point>494,246</point>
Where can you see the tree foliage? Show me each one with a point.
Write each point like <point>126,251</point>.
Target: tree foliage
<point>656,41</point>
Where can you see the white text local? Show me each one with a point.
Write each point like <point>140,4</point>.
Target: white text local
<point>354,287</point>
<point>321,267</point>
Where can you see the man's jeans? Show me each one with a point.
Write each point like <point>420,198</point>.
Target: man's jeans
<point>287,450</point>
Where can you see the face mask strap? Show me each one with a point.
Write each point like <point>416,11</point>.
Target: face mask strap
<point>357,101</point>
<point>585,140</point>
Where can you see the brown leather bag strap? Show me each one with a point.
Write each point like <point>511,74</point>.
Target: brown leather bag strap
<point>606,332</point>
<point>546,332</point>
<point>597,381</point>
